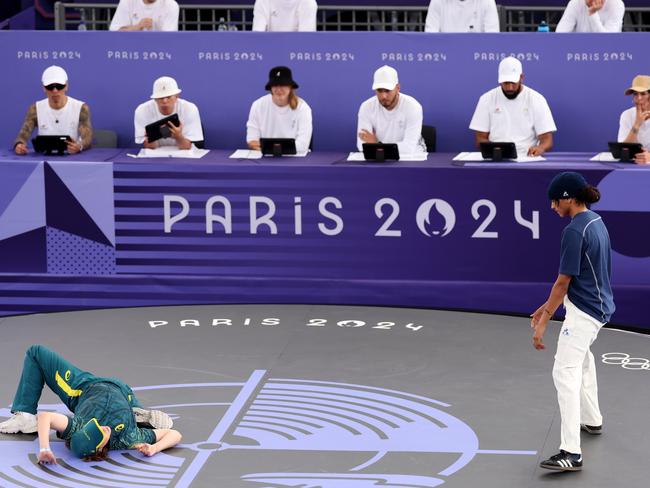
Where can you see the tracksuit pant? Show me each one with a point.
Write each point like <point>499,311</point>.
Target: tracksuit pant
<point>42,366</point>
<point>574,375</point>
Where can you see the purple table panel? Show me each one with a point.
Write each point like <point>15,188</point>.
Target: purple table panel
<point>314,230</point>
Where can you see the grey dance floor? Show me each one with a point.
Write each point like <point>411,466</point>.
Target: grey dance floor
<point>277,396</point>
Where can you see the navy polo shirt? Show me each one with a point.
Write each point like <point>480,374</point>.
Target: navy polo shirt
<point>586,256</point>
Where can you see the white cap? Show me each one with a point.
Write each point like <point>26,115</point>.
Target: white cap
<point>54,74</point>
<point>510,70</point>
<point>385,78</point>
<point>165,86</point>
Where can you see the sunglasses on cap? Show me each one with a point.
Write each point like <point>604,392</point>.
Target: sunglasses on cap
<point>54,86</point>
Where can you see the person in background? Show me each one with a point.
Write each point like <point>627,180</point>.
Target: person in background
<point>280,114</point>
<point>146,15</point>
<point>164,102</point>
<point>57,115</point>
<point>634,125</point>
<point>285,15</point>
<point>592,16</point>
<point>515,113</point>
<point>390,116</point>
<point>462,16</point>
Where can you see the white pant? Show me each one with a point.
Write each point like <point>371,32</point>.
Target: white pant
<point>574,375</point>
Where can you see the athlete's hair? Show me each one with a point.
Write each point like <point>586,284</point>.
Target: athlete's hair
<point>101,455</point>
<point>588,195</point>
<point>293,98</point>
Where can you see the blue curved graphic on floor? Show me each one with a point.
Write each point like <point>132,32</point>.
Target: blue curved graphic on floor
<point>273,415</point>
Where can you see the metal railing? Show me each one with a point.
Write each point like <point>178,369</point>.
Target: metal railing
<point>97,16</point>
<point>526,19</point>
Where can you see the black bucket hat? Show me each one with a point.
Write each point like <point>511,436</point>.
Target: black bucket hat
<point>280,76</point>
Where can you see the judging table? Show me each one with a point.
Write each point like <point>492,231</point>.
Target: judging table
<point>437,233</point>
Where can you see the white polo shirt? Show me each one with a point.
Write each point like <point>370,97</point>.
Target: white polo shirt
<point>163,13</point>
<point>627,122</point>
<point>462,16</point>
<point>285,15</point>
<point>61,122</point>
<point>268,120</point>
<point>576,17</point>
<point>402,125</point>
<point>520,120</point>
<point>188,114</point>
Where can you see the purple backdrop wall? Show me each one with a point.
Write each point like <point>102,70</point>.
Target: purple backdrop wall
<point>534,3</point>
<point>582,76</point>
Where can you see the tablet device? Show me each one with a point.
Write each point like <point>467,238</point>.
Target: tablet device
<point>379,151</point>
<point>625,151</point>
<point>50,144</point>
<point>498,151</point>
<point>160,129</point>
<point>277,146</point>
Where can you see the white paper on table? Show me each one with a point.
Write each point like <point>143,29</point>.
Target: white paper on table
<point>172,152</point>
<point>250,154</point>
<point>604,156</point>
<point>476,156</point>
<point>246,154</point>
<point>358,156</point>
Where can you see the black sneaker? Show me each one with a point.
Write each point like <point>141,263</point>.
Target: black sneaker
<point>564,461</point>
<point>592,429</point>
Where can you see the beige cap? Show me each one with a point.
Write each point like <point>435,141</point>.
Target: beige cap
<point>385,78</point>
<point>54,74</point>
<point>165,86</point>
<point>510,70</point>
<point>640,83</point>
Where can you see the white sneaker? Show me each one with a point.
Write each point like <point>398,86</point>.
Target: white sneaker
<point>20,422</point>
<point>156,418</point>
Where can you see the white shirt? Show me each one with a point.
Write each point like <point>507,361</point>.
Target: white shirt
<point>163,13</point>
<point>627,122</point>
<point>188,114</point>
<point>576,17</point>
<point>520,120</point>
<point>462,16</point>
<point>268,120</point>
<point>61,122</point>
<point>402,125</point>
<point>285,15</point>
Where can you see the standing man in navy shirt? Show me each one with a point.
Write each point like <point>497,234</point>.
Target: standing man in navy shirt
<point>583,284</point>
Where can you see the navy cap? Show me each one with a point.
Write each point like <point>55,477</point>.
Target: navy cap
<point>566,185</point>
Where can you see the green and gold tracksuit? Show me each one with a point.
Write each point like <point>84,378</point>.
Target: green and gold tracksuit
<point>109,400</point>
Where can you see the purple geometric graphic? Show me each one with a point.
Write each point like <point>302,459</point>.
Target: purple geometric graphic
<point>24,253</point>
<point>275,415</point>
<point>74,255</point>
<point>22,201</point>
<point>66,213</point>
<point>97,199</point>
<point>44,228</point>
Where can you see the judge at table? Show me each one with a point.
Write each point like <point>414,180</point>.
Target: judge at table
<point>164,102</point>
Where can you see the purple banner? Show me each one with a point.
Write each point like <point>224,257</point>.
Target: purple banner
<point>224,72</point>
<point>478,236</point>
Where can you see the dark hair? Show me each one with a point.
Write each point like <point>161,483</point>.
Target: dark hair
<point>588,195</point>
<point>101,455</point>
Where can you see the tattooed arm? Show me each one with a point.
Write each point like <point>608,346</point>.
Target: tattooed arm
<point>29,124</point>
<point>85,138</point>
<point>85,127</point>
